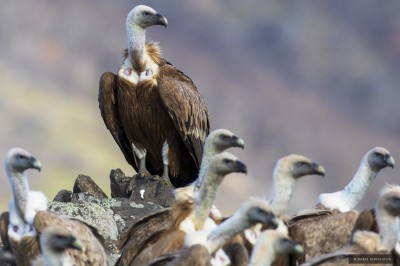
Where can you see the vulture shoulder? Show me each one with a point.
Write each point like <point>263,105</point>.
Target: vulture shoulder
<point>322,234</point>
<point>108,105</point>
<point>186,107</point>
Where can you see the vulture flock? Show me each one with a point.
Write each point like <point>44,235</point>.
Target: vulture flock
<point>160,122</point>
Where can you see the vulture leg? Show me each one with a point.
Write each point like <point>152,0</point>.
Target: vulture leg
<point>165,150</point>
<point>141,154</point>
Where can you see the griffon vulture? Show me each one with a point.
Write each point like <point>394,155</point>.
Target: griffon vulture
<point>164,231</point>
<point>150,103</point>
<point>216,142</point>
<point>328,227</point>
<point>285,174</point>
<point>26,219</point>
<point>366,242</point>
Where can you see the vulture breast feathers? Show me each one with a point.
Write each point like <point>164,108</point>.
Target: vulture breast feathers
<point>164,107</point>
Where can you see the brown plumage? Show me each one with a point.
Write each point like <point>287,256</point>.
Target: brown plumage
<point>196,255</point>
<point>150,102</point>
<point>324,232</point>
<point>148,230</point>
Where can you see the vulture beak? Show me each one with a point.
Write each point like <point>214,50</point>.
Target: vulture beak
<point>258,215</point>
<point>76,244</point>
<point>238,142</point>
<point>389,160</point>
<point>241,167</point>
<point>161,20</point>
<point>318,169</point>
<point>36,164</point>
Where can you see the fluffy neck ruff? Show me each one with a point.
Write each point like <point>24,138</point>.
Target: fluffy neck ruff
<point>353,193</point>
<point>282,189</point>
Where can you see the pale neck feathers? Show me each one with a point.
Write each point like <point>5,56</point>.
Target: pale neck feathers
<point>205,198</point>
<point>263,252</point>
<point>226,230</point>
<point>19,188</point>
<point>282,189</point>
<point>346,199</point>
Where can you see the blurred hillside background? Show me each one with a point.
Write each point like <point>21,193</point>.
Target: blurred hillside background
<point>319,78</point>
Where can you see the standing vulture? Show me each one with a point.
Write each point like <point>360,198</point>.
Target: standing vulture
<point>150,103</point>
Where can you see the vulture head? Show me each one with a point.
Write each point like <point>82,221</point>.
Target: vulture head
<point>379,158</point>
<point>226,163</point>
<point>259,211</point>
<point>145,16</point>
<point>297,166</point>
<point>389,200</point>
<point>56,239</point>
<point>222,139</point>
<point>19,160</point>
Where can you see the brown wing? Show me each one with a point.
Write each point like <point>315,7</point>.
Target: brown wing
<point>170,241</point>
<point>366,221</point>
<point>149,230</point>
<point>196,255</point>
<point>186,108</point>
<point>94,253</point>
<point>142,234</point>
<point>108,104</point>
<point>323,234</point>
<point>236,251</point>
<point>4,220</point>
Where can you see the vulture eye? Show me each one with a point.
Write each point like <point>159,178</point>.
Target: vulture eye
<point>225,137</point>
<point>146,13</point>
<point>226,161</point>
<point>377,154</point>
<point>301,164</point>
<point>20,157</point>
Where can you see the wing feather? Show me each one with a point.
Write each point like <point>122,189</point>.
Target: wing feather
<point>108,104</point>
<point>186,107</point>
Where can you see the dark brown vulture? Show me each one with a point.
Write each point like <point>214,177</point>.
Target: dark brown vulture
<point>150,103</point>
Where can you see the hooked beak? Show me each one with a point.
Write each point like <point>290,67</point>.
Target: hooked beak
<point>36,164</point>
<point>389,160</point>
<point>241,167</point>
<point>161,20</point>
<point>238,142</point>
<point>318,169</point>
